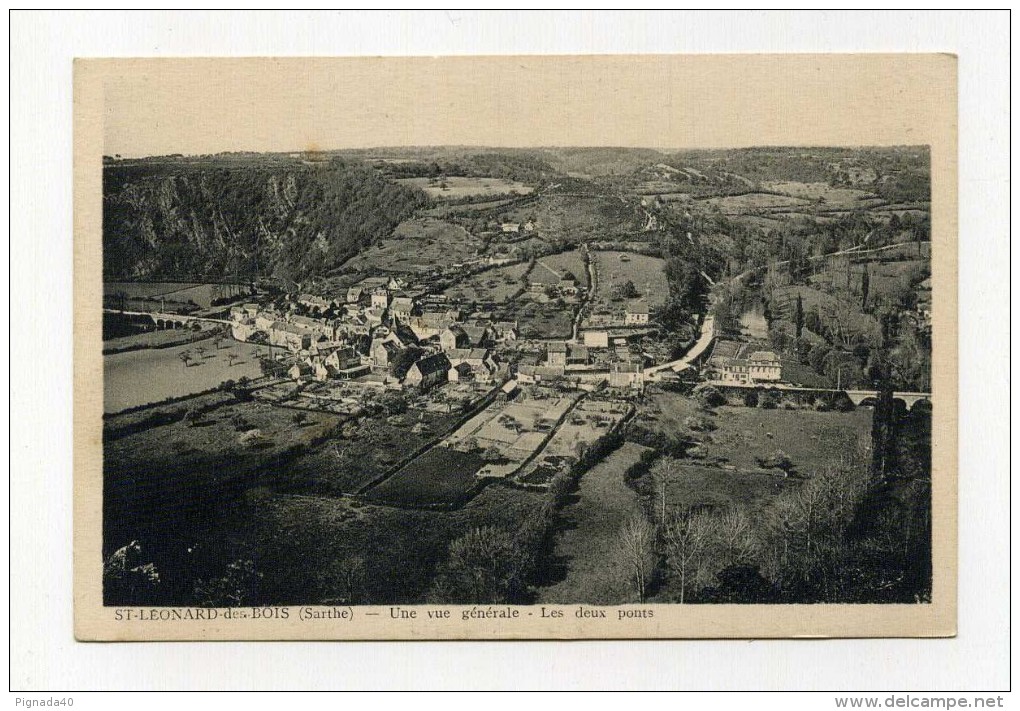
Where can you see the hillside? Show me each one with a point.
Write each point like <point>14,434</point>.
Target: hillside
<point>224,218</point>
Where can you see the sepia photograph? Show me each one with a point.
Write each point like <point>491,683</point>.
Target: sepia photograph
<point>386,366</point>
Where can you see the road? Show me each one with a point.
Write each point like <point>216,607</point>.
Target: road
<point>699,348</point>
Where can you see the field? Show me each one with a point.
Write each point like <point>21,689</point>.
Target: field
<point>584,567</point>
<point>647,273</point>
<point>418,245</point>
<point>742,434</point>
<point>548,270</point>
<point>165,485</point>
<point>583,426</point>
<point>324,550</point>
<point>739,204</point>
<point>177,292</point>
<point>572,219</point>
<point>827,195</point>
<point>144,289</point>
<point>365,451</point>
<point>884,278</point>
<point>497,285</point>
<point>549,320</point>
<point>514,429</point>
<point>439,476</point>
<point>165,338</point>
<point>456,187</point>
<point>139,377</point>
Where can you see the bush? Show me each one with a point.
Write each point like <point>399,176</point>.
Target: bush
<point>709,396</point>
<point>751,398</point>
<point>778,460</point>
<point>769,400</point>
<point>699,423</point>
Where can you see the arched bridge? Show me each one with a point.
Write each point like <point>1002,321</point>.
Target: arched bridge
<point>858,397</point>
<point>164,320</point>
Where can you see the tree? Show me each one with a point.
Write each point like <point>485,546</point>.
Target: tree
<point>865,286</point>
<point>230,360</point>
<point>299,418</point>
<point>487,565</point>
<point>686,537</point>
<point>185,358</point>
<point>627,290</point>
<point>798,316</point>
<point>237,587</point>
<point>636,541</point>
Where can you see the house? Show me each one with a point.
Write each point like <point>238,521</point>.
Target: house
<point>354,294</point>
<point>383,352</point>
<point>510,227</point>
<point>637,314</point>
<point>556,354</point>
<point>242,331</point>
<point>577,355</point>
<point>343,358</point>
<point>288,335</point>
<point>596,339</point>
<point>460,371</point>
<point>734,370</point>
<point>508,390</point>
<point>401,307</point>
<point>765,366</point>
<point>380,298</point>
<point>505,331</point>
<point>476,335</point>
<point>374,316</point>
<point>428,372</point>
<point>453,337</point>
<point>238,314</point>
<point>299,371</point>
<point>479,360</point>
<point>314,325</point>
<point>314,303</point>
<point>264,321</point>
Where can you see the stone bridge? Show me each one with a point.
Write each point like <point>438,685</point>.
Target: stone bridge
<point>167,320</point>
<point>857,397</point>
<point>870,397</point>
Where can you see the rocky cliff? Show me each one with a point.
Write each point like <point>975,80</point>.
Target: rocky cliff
<point>209,219</point>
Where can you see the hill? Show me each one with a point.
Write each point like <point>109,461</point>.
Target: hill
<point>219,217</point>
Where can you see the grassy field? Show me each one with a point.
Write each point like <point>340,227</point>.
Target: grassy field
<point>584,568</point>
<point>548,270</point>
<point>439,476</point>
<point>497,285</point>
<point>830,196</point>
<point>647,274</point>
<point>144,289</point>
<point>142,376</point>
<point>739,204</point>
<point>573,219</point>
<point>165,338</point>
<point>742,434</point>
<point>418,245</point>
<point>455,187</point>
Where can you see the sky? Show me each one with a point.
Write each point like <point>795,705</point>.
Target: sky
<point>197,106</point>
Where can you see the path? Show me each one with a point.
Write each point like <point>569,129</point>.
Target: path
<point>586,545</point>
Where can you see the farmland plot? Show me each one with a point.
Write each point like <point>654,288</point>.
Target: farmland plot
<point>456,187</point>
